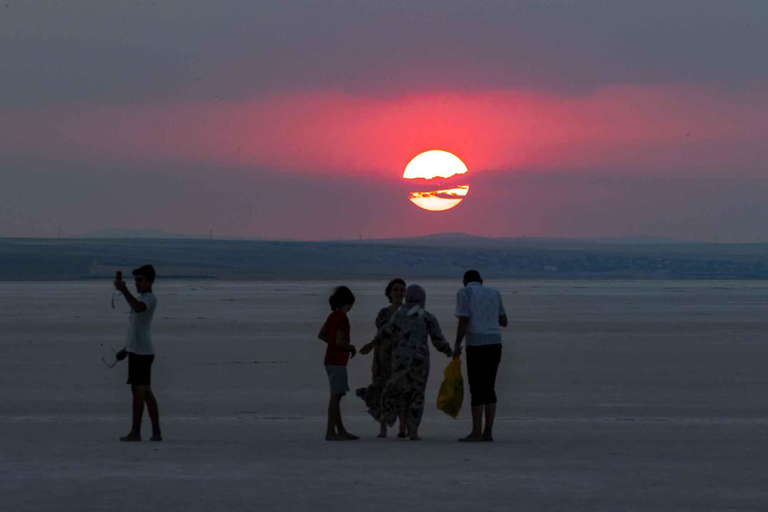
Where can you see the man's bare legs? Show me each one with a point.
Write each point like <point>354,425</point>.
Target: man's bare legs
<point>477,424</point>
<point>335,430</point>
<point>478,433</point>
<point>142,394</point>
<point>490,415</point>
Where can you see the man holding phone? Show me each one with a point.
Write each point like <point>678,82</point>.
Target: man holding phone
<point>140,351</point>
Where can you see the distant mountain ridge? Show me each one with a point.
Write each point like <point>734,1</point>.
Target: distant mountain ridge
<point>459,237</point>
<point>441,256</point>
<point>444,238</point>
<point>133,233</point>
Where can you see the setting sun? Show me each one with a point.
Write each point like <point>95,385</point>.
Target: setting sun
<point>433,167</point>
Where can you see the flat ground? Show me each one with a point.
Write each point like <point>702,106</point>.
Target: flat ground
<point>614,396</point>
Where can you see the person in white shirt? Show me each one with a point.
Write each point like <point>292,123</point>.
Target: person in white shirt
<point>140,351</point>
<point>481,315</point>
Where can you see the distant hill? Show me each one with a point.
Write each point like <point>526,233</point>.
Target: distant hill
<point>457,238</point>
<point>442,239</point>
<point>442,256</point>
<point>133,233</point>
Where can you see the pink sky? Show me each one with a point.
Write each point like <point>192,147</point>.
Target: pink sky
<point>292,119</point>
<point>638,128</point>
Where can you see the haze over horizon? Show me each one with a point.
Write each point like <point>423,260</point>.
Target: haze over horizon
<point>295,120</point>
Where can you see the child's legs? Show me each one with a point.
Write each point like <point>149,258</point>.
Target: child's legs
<point>139,395</point>
<point>339,424</point>
<point>337,379</point>
<point>335,425</point>
<point>333,411</point>
<point>152,409</point>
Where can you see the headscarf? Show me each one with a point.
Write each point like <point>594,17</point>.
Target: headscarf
<point>415,299</point>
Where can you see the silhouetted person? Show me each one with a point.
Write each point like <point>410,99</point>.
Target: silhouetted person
<point>335,333</point>
<point>381,368</point>
<point>480,313</point>
<point>405,389</point>
<point>140,351</point>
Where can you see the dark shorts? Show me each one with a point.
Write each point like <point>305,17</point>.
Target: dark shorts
<point>139,369</point>
<point>337,378</point>
<point>482,366</point>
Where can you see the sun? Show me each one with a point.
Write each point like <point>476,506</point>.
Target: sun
<point>440,175</point>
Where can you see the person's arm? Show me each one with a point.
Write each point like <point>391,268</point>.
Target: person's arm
<point>462,313</point>
<point>436,335</point>
<point>370,345</point>
<point>461,331</point>
<point>342,341</point>
<point>136,305</point>
<point>322,334</point>
<point>502,313</point>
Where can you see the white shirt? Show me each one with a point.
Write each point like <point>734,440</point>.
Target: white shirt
<point>483,306</point>
<point>139,340</point>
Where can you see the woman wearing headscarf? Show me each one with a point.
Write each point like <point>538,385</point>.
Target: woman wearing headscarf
<point>405,388</point>
<point>382,356</point>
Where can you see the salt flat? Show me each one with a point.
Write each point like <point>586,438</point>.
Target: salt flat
<point>643,395</point>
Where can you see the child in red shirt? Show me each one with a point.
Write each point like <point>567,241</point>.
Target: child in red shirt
<point>335,332</point>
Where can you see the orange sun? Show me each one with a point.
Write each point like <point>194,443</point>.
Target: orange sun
<point>433,170</point>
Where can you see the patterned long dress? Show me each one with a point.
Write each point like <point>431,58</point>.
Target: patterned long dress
<point>404,391</point>
<point>381,367</point>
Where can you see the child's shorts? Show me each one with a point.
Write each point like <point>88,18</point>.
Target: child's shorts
<point>140,369</point>
<point>337,378</point>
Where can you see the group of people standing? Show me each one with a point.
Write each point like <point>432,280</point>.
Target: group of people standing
<point>401,361</point>
<point>400,349</point>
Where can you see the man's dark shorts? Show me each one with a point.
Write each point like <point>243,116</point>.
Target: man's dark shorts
<point>139,369</point>
<point>482,366</point>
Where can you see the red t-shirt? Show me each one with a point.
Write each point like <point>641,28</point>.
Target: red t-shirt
<point>334,355</point>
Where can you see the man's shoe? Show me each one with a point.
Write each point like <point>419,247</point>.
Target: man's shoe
<point>131,438</point>
<point>157,436</point>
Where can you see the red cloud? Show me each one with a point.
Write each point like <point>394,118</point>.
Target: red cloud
<point>628,126</point>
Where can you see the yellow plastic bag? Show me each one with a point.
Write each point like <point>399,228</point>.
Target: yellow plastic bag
<point>451,394</point>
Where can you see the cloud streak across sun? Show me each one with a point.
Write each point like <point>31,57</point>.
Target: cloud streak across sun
<point>439,200</point>
<point>619,127</point>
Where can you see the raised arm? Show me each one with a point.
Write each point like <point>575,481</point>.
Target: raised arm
<point>136,305</point>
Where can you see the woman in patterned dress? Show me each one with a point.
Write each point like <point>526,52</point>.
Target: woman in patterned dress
<point>404,391</point>
<point>382,356</point>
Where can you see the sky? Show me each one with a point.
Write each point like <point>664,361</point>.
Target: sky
<point>295,119</point>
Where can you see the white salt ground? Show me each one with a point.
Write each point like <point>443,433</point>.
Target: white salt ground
<point>614,396</point>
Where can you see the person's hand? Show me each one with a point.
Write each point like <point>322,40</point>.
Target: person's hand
<point>450,352</point>
<point>121,355</point>
<point>120,285</point>
<point>457,352</point>
<point>366,348</point>
<point>352,351</point>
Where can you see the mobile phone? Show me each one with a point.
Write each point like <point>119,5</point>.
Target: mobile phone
<point>119,276</point>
